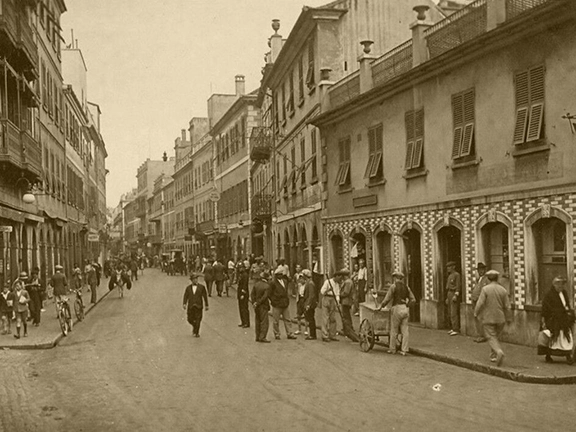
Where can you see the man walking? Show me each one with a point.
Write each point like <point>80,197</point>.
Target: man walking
<point>195,299</point>
<point>59,283</point>
<point>453,291</point>
<point>208,271</point>
<point>401,297</point>
<point>243,298</point>
<point>280,300</point>
<point>259,299</point>
<point>219,270</point>
<point>91,280</point>
<point>310,301</point>
<point>482,281</point>
<point>346,292</point>
<point>493,309</point>
<point>330,296</point>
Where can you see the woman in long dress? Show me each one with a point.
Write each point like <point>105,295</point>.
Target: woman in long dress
<point>558,318</point>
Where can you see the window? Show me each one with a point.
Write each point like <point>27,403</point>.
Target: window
<point>414,139</point>
<point>303,162</point>
<point>314,161</point>
<point>374,168</point>
<point>343,176</point>
<point>300,80</point>
<point>291,95</point>
<point>283,103</point>
<point>310,78</point>
<point>463,122</point>
<point>293,171</point>
<point>529,90</point>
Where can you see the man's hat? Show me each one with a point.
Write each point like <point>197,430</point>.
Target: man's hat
<point>342,272</point>
<point>450,263</point>
<point>195,275</point>
<point>307,273</point>
<point>58,267</point>
<point>492,273</point>
<point>559,279</point>
<point>398,274</point>
<point>23,274</point>
<point>480,265</point>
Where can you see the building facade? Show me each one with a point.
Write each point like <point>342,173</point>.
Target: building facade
<point>461,155</point>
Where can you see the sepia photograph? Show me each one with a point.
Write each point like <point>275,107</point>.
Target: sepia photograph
<point>287,215</point>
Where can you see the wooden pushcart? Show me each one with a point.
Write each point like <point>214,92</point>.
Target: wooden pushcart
<point>374,324</point>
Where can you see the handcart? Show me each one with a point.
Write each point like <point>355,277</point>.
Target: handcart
<point>374,324</point>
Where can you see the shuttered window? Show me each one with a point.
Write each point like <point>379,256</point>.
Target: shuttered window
<point>374,168</point>
<point>303,163</point>
<point>414,121</point>
<point>463,119</point>
<point>314,159</point>
<point>310,79</point>
<point>529,92</point>
<point>343,176</point>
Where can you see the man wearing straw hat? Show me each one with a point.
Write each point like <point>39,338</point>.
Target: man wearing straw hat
<point>195,297</point>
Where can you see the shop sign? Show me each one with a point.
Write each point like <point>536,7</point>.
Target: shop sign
<point>6,228</point>
<point>214,196</point>
<point>223,229</point>
<point>93,237</point>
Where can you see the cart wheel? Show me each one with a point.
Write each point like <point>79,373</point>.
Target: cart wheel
<point>366,336</point>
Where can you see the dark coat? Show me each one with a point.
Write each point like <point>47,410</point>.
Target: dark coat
<point>219,271</point>
<point>208,272</point>
<point>309,297</point>
<point>60,284</point>
<point>195,300</point>
<point>279,297</point>
<point>242,292</point>
<point>259,295</point>
<point>346,292</point>
<point>119,279</point>
<point>556,316</point>
<point>4,308</point>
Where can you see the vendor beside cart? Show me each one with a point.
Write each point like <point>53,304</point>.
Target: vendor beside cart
<point>401,297</point>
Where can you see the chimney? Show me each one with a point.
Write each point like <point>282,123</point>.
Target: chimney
<point>275,41</point>
<point>418,27</point>
<point>240,85</point>
<point>164,157</point>
<point>323,86</point>
<point>183,136</point>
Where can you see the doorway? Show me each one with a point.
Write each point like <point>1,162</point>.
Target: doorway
<point>412,268</point>
<point>450,248</point>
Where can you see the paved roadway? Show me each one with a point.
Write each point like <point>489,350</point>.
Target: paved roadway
<point>134,366</point>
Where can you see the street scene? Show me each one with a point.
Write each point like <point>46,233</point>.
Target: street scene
<point>331,215</point>
<point>134,365</point>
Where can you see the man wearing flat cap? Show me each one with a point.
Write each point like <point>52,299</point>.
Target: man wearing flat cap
<point>493,309</point>
<point>401,297</point>
<point>280,301</point>
<point>195,299</point>
<point>453,292</point>
<point>330,297</point>
<point>482,281</point>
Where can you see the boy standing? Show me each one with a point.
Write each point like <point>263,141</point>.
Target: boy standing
<point>21,300</point>
<point>6,304</point>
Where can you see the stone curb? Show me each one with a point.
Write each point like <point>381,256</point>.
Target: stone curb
<point>59,337</point>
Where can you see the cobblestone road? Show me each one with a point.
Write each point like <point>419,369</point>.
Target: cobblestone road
<point>133,365</point>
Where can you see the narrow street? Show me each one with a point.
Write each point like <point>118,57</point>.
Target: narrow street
<point>133,365</point>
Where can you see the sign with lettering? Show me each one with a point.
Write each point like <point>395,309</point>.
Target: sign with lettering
<point>214,196</point>
<point>6,228</point>
<point>93,237</point>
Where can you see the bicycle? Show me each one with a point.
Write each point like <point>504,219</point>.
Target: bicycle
<point>64,314</point>
<point>78,305</point>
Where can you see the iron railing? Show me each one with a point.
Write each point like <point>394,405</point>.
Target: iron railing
<point>345,89</point>
<point>518,7</point>
<point>392,64</point>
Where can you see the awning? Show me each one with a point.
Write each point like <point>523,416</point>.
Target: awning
<point>59,220</point>
<point>14,215</point>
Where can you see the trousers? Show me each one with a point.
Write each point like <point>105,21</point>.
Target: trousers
<point>194,318</point>
<point>209,283</point>
<point>276,314</point>
<point>93,296</point>
<point>35,305</point>
<point>399,323</point>
<point>243,310</point>
<point>328,317</point>
<point>261,323</point>
<point>311,319</point>
<point>347,321</point>
<point>454,311</point>
<point>492,333</point>
<point>478,323</point>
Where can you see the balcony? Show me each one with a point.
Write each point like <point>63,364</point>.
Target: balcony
<point>262,206</point>
<point>261,144</point>
<point>16,36</point>
<point>28,53</point>
<point>8,22</point>
<point>10,144</point>
<point>31,154</point>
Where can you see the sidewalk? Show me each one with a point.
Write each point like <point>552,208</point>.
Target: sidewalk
<point>48,334</point>
<point>520,364</point>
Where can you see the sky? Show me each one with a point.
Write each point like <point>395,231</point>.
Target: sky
<point>152,65</point>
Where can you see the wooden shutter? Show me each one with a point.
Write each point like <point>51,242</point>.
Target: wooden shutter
<point>418,149</point>
<point>371,151</point>
<point>409,153</point>
<point>419,124</point>
<point>376,165</point>
<point>409,122</point>
<point>467,140</point>
<point>457,142</point>
<point>536,103</point>
<point>458,122</point>
<point>522,104</point>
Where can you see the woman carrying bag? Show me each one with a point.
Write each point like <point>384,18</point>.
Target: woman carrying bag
<point>556,337</point>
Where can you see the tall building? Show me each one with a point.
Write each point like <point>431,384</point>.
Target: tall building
<point>463,154</point>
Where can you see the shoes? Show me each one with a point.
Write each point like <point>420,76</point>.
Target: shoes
<point>480,340</point>
<point>356,314</point>
<point>334,339</point>
<point>391,352</point>
<point>292,337</point>
<point>499,358</point>
<point>277,337</point>
<point>297,332</point>
<point>264,341</point>
<point>450,331</point>
<point>42,310</point>
<point>549,359</point>
<point>453,333</point>
<point>402,353</point>
<point>326,340</point>
<point>196,335</point>
<point>17,336</point>
<point>305,333</point>
<point>309,338</point>
<point>240,325</point>
<point>245,326</point>
<point>25,334</point>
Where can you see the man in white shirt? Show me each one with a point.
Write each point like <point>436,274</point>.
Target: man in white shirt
<point>330,296</point>
<point>362,280</point>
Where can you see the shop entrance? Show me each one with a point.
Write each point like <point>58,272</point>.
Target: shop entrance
<point>450,246</point>
<point>412,269</point>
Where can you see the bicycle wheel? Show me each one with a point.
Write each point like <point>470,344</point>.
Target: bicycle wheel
<point>79,309</point>
<point>68,316</point>
<point>62,321</point>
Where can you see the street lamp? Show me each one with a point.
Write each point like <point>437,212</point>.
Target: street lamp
<point>29,197</point>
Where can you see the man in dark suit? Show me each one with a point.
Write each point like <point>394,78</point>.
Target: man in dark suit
<point>208,271</point>
<point>310,302</point>
<point>243,298</point>
<point>195,298</point>
<point>219,276</point>
<point>259,299</point>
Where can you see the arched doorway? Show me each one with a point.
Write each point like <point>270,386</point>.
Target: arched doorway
<point>411,266</point>
<point>448,248</point>
<point>382,259</point>
<point>495,254</point>
<point>337,252</point>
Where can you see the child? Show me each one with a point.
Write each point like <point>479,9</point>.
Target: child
<point>6,302</point>
<point>21,300</point>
